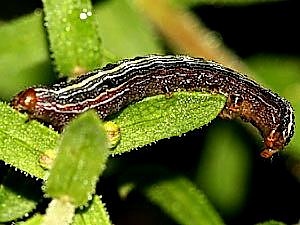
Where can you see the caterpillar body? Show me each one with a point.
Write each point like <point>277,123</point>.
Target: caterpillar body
<point>110,89</point>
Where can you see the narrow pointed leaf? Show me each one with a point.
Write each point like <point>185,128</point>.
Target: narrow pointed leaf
<point>159,117</point>
<point>19,196</point>
<point>73,35</point>
<point>23,142</point>
<point>82,153</point>
<point>95,214</point>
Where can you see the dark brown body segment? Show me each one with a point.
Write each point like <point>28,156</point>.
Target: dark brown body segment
<point>118,85</point>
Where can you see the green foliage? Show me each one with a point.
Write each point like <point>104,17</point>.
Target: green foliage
<point>81,158</point>
<point>138,38</point>
<point>35,220</point>
<point>271,222</point>
<point>73,35</point>
<point>24,59</point>
<point>23,142</point>
<point>220,2</point>
<point>95,213</point>
<point>141,123</point>
<point>227,188</point>
<point>188,205</point>
<point>19,196</point>
<point>161,117</point>
<point>176,195</point>
<point>179,198</point>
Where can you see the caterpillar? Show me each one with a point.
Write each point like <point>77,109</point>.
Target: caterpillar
<point>110,89</point>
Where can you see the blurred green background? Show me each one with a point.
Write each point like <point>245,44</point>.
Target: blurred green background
<point>222,159</point>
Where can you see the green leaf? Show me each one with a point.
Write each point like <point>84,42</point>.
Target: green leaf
<point>120,26</point>
<point>23,145</point>
<point>23,142</point>
<point>180,199</point>
<point>24,59</point>
<point>190,3</point>
<point>18,195</point>
<point>224,147</point>
<point>35,220</point>
<point>82,153</point>
<point>271,222</point>
<point>177,196</point>
<point>73,35</point>
<point>161,116</point>
<point>96,212</point>
<point>124,31</point>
